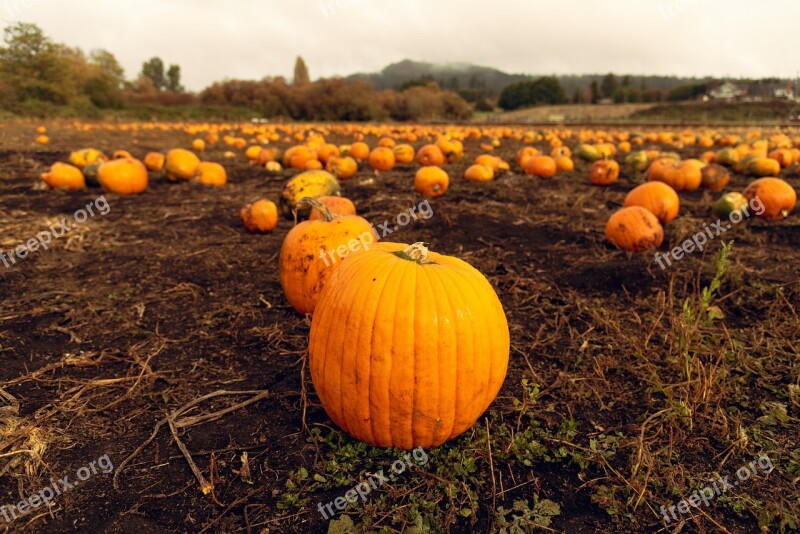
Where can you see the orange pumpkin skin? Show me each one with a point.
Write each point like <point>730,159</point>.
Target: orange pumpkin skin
<point>154,161</point>
<point>313,165</point>
<point>298,157</point>
<point>684,176</point>
<point>181,165</point>
<point>311,252</point>
<point>564,163</point>
<point>763,167</point>
<point>634,229</point>
<point>359,151</point>
<point>404,154</point>
<point>604,172</point>
<point>260,216</point>
<point>406,352</point>
<point>541,166</point>
<point>123,176</point>
<point>381,159</point>
<point>777,197</point>
<point>210,173</point>
<point>783,156</point>
<point>479,173</point>
<point>337,205</point>
<point>524,153</point>
<point>64,176</point>
<point>430,155</point>
<point>198,145</point>
<point>121,154</point>
<point>342,168</point>
<point>326,152</point>
<point>657,197</point>
<point>714,177</point>
<point>431,181</point>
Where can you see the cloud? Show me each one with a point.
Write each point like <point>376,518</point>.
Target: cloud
<point>215,39</point>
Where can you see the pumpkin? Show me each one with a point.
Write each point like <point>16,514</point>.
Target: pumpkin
<point>42,140</point>
<point>683,176</point>
<point>637,161</point>
<point>541,166</point>
<point>260,216</point>
<point>728,203</point>
<point>264,156</point>
<point>307,184</point>
<point>313,165</point>
<point>430,155</point>
<point>783,156</point>
<point>298,156</point>
<point>124,176</point>
<point>727,156</point>
<point>121,154</point>
<point>253,152</point>
<point>407,347</point>
<point>87,156</point>
<point>431,181</point>
<point>561,151</point>
<point>90,173</point>
<point>761,166</point>
<point>387,142</point>
<point>154,161</point>
<point>634,228</point>
<point>777,197</point>
<point>313,249</point>
<point>198,145</point>
<point>524,153</point>
<point>327,151</point>
<point>588,152</point>
<point>453,150</point>
<point>273,167</point>
<point>210,173</point>
<point>336,205</point>
<point>343,168</point>
<point>479,173</point>
<point>714,177</point>
<point>381,159</point>
<point>404,154</point>
<point>604,172</point>
<point>359,151</point>
<point>657,197</point>
<point>181,164</point>
<point>493,162</point>
<point>564,164</point>
<point>64,176</point>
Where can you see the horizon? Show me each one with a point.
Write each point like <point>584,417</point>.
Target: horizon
<point>251,40</point>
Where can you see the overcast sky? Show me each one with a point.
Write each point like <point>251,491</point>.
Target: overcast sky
<point>216,39</point>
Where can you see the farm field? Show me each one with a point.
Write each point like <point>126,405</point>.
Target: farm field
<point>156,334</point>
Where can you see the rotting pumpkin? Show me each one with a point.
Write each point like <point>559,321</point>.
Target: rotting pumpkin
<point>407,347</point>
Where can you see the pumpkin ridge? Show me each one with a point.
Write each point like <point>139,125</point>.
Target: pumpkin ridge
<point>427,313</point>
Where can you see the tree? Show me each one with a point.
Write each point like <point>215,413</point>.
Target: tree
<point>108,66</point>
<point>542,91</point>
<point>301,76</point>
<point>608,85</point>
<point>153,70</point>
<point>577,97</point>
<point>594,92</point>
<point>174,79</point>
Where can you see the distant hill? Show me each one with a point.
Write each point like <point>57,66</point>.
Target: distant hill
<point>462,76</point>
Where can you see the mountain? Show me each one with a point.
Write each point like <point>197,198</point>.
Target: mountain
<point>463,76</point>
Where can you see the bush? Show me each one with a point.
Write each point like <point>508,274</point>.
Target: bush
<point>542,91</point>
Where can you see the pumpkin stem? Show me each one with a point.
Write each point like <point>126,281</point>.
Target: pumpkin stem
<point>327,216</point>
<point>417,252</point>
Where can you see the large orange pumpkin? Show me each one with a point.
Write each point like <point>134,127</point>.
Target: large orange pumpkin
<point>657,197</point>
<point>313,249</point>
<point>181,164</point>
<point>431,181</point>
<point>634,229</point>
<point>407,347</point>
<point>777,197</point>
<point>64,176</point>
<point>124,176</point>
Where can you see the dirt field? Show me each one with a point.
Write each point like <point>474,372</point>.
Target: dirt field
<point>626,390</point>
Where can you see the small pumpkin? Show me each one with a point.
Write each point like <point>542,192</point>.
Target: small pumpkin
<point>64,176</point>
<point>564,163</point>
<point>313,249</point>
<point>714,177</point>
<point>359,151</point>
<point>425,331</point>
<point>657,197</point>
<point>260,217</point>
<point>728,203</point>
<point>210,173</point>
<point>431,181</point>
<point>541,166</point>
<point>783,156</point>
<point>404,154</point>
<point>479,173</point>
<point>761,167</point>
<point>338,206</point>
<point>124,176</point>
<point>327,151</point>
<point>430,155</point>
<point>154,161</point>
<point>777,197</point>
<point>343,168</point>
<point>84,157</point>
<point>588,153</point>
<point>637,161</point>
<point>604,172</point>
<point>307,184</point>
<point>181,164</point>
<point>635,229</point>
<point>121,154</point>
<point>298,157</point>
<point>381,159</point>
<point>198,145</point>
<point>683,176</point>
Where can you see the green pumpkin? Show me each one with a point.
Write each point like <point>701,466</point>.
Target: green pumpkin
<point>90,174</point>
<point>307,184</point>
<point>638,161</point>
<point>728,203</point>
<point>588,153</point>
